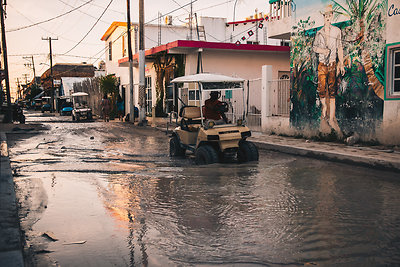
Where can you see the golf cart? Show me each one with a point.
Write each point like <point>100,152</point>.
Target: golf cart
<point>81,109</point>
<point>46,106</point>
<point>209,141</point>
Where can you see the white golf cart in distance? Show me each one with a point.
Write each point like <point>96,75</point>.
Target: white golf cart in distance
<point>81,109</point>
<point>211,143</point>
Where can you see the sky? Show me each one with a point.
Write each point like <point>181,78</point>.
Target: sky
<point>81,29</point>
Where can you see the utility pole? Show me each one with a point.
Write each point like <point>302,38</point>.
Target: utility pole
<point>9,117</point>
<point>31,65</point>
<point>159,28</point>
<point>191,21</point>
<point>51,70</point>
<point>19,88</point>
<point>130,55</point>
<point>142,86</point>
<point>25,75</point>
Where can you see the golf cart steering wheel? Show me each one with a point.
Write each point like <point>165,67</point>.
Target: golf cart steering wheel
<point>223,107</point>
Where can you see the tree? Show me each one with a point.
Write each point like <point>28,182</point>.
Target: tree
<point>164,66</point>
<point>109,85</point>
<point>34,91</point>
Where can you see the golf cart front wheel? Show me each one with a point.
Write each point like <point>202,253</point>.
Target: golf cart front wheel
<point>206,155</point>
<point>175,149</point>
<point>247,151</point>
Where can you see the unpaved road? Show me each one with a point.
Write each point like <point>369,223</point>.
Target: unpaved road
<point>108,194</point>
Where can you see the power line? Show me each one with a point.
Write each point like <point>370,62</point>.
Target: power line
<point>82,11</point>
<point>116,11</point>
<point>180,5</point>
<point>48,30</point>
<point>47,20</point>
<point>90,28</point>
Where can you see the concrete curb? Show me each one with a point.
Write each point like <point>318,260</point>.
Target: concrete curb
<point>361,160</point>
<point>331,156</point>
<point>10,232</point>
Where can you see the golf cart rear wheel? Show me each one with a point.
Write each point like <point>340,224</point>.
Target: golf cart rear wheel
<point>206,155</point>
<point>175,149</point>
<point>247,152</point>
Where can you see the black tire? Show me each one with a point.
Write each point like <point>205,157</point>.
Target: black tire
<point>206,155</point>
<point>89,117</point>
<point>78,117</point>
<point>175,149</point>
<point>73,117</point>
<point>247,151</point>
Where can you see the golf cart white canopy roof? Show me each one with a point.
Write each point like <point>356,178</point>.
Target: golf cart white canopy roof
<point>79,94</point>
<point>207,78</point>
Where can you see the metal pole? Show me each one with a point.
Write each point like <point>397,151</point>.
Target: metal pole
<point>142,86</point>
<point>51,72</point>
<point>9,117</point>
<point>234,12</point>
<point>34,71</point>
<point>131,106</point>
<point>51,76</point>
<point>190,21</point>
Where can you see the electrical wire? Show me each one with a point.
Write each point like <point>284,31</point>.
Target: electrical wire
<point>47,31</point>
<point>191,2</point>
<point>113,10</point>
<point>47,20</point>
<point>82,11</point>
<point>90,28</point>
<point>180,5</point>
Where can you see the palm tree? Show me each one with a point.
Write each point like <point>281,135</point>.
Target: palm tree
<point>363,12</point>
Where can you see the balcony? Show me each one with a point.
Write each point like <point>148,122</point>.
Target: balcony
<point>280,19</point>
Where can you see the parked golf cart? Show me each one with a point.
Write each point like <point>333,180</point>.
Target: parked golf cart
<point>46,104</point>
<point>81,109</point>
<point>66,109</point>
<point>210,142</point>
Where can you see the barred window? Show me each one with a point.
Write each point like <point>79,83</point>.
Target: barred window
<point>393,72</point>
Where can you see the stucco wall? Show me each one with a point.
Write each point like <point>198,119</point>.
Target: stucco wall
<point>391,113</point>
<point>243,64</point>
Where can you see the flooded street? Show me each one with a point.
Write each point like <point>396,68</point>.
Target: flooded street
<point>111,196</point>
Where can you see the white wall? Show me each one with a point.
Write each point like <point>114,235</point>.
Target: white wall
<point>235,33</point>
<point>391,110</point>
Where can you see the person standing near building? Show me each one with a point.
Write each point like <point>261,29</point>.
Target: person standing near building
<point>328,46</point>
<point>105,108</point>
<point>120,107</point>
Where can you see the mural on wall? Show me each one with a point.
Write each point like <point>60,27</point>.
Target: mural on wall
<point>338,68</point>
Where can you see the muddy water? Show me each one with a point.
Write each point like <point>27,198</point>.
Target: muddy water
<point>111,196</point>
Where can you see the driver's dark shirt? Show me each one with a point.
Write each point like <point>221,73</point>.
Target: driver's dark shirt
<point>211,109</point>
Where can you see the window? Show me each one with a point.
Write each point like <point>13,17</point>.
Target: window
<point>110,51</point>
<point>396,72</point>
<point>149,102</point>
<point>393,72</point>
<point>193,93</point>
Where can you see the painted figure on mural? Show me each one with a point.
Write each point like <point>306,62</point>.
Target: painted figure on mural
<point>328,46</point>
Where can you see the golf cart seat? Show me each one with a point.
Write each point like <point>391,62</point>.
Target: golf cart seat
<point>191,118</point>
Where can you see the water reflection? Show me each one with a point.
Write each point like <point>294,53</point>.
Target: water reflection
<point>138,207</point>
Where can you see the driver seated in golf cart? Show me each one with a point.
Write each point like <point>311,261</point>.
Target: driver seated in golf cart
<point>214,109</point>
<point>198,131</point>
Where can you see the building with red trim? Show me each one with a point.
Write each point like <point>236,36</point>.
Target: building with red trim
<point>213,49</point>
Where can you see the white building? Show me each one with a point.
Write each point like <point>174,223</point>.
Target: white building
<point>235,49</point>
